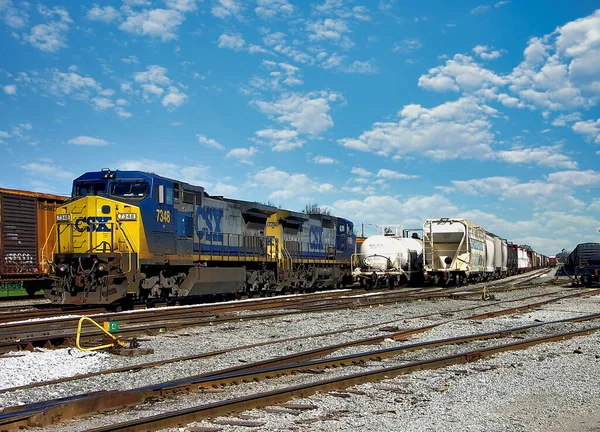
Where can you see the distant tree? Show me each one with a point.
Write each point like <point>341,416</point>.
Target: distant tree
<point>270,203</point>
<point>561,257</point>
<point>315,209</point>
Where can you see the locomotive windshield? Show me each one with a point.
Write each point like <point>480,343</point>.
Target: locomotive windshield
<point>130,189</point>
<point>84,188</point>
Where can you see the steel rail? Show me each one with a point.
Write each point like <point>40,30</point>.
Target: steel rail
<point>51,335</point>
<point>211,410</point>
<point>271,342</point>
<point>43,413</point>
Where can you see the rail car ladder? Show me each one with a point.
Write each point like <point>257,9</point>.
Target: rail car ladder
<point>428,248</point>
<point>285,263</point>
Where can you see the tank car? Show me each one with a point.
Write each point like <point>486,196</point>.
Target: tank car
<point>390,258</point>
<point>26,222</point>
<point>128,235</point>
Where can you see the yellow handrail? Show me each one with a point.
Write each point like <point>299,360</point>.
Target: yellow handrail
<point>116,343</point>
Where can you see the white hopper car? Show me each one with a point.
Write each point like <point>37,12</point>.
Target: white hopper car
<point>457,250</point>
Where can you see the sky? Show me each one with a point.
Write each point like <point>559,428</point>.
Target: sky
<point>383,112</point>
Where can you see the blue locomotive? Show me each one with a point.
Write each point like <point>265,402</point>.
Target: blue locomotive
<point>127,235</point>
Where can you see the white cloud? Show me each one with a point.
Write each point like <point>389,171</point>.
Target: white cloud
<point>332,30</point>
<point>10,89</point>
<point>361,13</point>
<point>307,113</point>
<point>192,174</point>
<point>155,84</point>
<point>183,5</point>
<point>13,17</point>
<point>481,186</point>
<point>575,178</point>
<point>287,186</point>
<point>408,45</point>
<point>244,155</point>
<point>269,9</point>
<point>84,140</point>
<point>50,37</point>
<point>590,129</point>
<point>70,83</point>
<point>339,63</point>
<point>387,209</point>
<point>361,67</point>
<point>122,113</point>
<point>204,140</point>
<point>227,8</point>
<point>564,119</point>
<point>106,14</point>
<point>457,129</point>
<point>231,41</point>
<point>154,75</point>
<point>151,91</point>
<point>4,134</point>
<point>546,156</point>
<point>174,98</point>
<point>460,73</point>
<point>276,41</point>
<point>280,139</point>
<point>130,59</point>
<point>102,103</point>
<point>487,53</point>
<point>394,175</point>
<point>47,169</point>
<point>160,23</point>
<point>361,172</point>
<point>323,160</point>
<point>535,194</point>
<point>282,74</point>
<point>480,9</point>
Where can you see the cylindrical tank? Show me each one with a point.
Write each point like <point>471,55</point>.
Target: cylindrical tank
<point>381,253</point>
<point>504,256</point>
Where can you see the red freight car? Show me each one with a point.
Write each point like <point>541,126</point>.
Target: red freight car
<point>26,227</point>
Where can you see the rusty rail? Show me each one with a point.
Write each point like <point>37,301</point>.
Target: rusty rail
<point>43,414</point>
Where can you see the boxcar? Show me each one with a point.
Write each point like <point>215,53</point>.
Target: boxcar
<point>27,236</point>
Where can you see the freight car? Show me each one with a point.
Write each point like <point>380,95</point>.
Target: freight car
<point>454,250</point>
<point>128,235</point>
<point>390,258</point>
<point>582,265</point>
<point>26,221</point>
<point>457,250</point>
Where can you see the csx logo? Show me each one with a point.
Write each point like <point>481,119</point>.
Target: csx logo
<point>93,224</point>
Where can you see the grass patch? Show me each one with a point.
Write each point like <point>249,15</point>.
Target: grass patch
<point>12,289</point>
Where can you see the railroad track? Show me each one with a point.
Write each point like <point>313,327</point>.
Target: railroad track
<point>394,335</point>
<point>60,331</point>
<point>45,413</point>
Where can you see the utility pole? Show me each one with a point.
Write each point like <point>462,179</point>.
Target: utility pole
<point>362,229</point>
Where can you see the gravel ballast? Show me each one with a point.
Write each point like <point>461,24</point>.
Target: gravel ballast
<point>534,389</point>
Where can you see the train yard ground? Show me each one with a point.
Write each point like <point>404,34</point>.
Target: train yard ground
<point>525,358</point>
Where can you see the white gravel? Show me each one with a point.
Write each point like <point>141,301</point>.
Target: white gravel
<point>473,400</point>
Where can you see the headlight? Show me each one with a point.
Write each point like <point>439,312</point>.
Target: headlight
<point>126,216</point>
<point>63,217</point>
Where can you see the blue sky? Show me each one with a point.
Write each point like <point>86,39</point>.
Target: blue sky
<point>383,111</point>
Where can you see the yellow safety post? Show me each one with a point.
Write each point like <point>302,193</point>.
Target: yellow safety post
<point>485,295</point>
<point>116,341</point>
